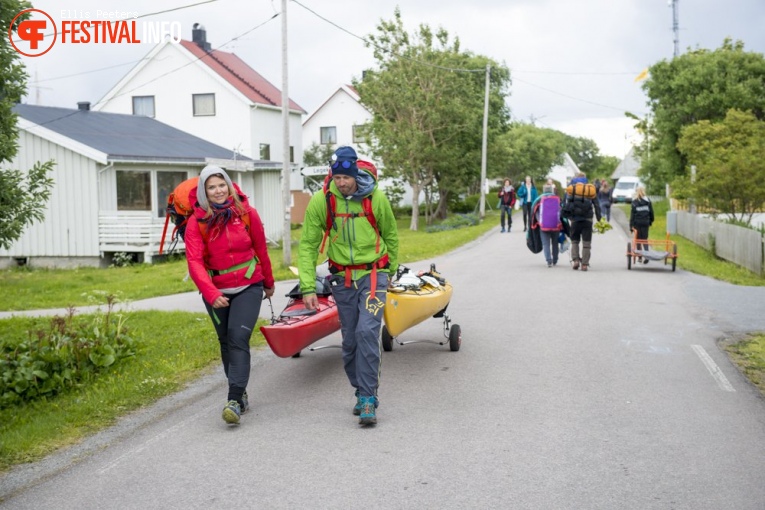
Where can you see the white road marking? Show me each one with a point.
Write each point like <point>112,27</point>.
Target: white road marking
<point>722,381</point>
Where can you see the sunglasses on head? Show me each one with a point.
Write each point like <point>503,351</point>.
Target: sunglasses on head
<point>345,163</point>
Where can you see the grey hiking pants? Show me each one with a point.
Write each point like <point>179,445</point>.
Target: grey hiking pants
<point>581,230</point>
<point>361,319</point>
<point>234,327</point>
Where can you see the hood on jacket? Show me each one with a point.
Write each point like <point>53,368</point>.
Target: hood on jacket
<point>200,212</point>
<point>365,184</point>
<point>207,172</point>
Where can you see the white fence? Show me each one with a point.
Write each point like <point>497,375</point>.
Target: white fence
<point>739,245</point>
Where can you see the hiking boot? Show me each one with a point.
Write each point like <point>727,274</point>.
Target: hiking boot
<point>502,231</point>
<point>576,265</point>
<point>549,264</point>
<point>645,261</point>
<point>358,406</point>
<point>584,267</point>
<point>367,415</point>
<point>245,403</point>
<point>232,412</point>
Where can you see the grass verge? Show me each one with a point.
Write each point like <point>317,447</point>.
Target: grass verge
<point>749,355</point>
<point>168,359</point>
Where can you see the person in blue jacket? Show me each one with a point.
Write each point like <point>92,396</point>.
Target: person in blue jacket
<point>527,193</point>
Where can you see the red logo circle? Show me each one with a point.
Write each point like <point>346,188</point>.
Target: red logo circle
<point>30,31</point>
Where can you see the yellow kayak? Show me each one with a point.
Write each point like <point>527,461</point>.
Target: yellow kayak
<point>407,308</point>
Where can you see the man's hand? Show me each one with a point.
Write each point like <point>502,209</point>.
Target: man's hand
<point>311,301</point>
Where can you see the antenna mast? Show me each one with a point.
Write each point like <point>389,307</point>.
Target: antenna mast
<point>676,25</point>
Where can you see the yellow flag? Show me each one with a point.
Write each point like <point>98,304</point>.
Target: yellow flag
<point>642,76</point>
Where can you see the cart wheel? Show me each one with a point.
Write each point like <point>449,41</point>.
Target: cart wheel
<point>455,337</point>
<point>629,256</point>
<point>297,354</point>
<point>674,257</point>
<point>387,340</point>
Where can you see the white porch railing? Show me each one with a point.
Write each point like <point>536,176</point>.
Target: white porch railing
<point>136,232</point>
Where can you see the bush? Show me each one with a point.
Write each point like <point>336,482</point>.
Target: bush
<point>69,353</point>
<point>123,259</point>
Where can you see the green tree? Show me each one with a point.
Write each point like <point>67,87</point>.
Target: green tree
<point>698,85</point>
<point>428,113</point>
<point>22,199</point>
<point>532,150</point>
<point>730,168</point>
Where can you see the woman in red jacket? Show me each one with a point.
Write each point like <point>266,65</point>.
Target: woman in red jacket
<point>228,261</point>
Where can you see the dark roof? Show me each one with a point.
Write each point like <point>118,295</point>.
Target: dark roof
<point>244,78</point>
<point>125,137</point>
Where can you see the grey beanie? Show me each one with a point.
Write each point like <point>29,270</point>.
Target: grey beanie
<point>207,172</point>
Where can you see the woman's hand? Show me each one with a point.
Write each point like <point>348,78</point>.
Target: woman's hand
<point>220,302</point>
<point>268,292</point>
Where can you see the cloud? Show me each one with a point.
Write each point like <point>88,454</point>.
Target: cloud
<point>572,63</point>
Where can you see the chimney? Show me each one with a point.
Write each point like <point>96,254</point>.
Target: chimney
<point>199,36</point>
<point>83,105</point>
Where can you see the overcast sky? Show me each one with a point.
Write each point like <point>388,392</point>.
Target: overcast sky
<point>572,63</point>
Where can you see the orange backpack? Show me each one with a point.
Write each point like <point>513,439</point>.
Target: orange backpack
<point>179,209</point>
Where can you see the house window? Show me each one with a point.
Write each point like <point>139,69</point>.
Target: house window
<point>359,133</point>
<point>265,151</point>
<point>204,104</point>
<point>166,183</point>
<point>328,135</point>
<point>292,154</point>
<point>143,105</point>
<point>133,191</point>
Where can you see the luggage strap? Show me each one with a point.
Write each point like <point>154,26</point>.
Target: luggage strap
<point>249,264</point>
<point>382,263</point>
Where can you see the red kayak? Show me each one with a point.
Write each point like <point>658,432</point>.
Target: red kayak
<point>297,327</point>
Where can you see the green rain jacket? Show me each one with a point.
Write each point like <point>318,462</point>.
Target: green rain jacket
<point>351,241</point>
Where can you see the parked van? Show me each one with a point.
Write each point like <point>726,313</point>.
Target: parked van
<point>625,189</point>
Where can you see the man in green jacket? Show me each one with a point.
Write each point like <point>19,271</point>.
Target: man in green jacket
<point>362,247</point>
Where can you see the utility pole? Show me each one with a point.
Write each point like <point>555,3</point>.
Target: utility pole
<point>287,226</point>
<point>676,25</point>
<point>485,143</point>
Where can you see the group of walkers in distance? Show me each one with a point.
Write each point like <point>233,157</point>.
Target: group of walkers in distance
<point>229,262</point>
<point>569,215</point>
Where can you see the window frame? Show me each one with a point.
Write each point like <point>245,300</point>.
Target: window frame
<point>331,135</point>
<point>153,106</point>
<point>195,97</point>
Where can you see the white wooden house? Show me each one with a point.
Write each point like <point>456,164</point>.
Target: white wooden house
<point>216,96</point>
<point>340,120</point>
<point>112,175</point>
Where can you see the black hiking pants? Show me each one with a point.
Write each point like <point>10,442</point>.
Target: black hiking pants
<point>234,327</point>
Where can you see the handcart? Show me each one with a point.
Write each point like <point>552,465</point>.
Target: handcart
<point>411,299</point>
<point>644,250</point>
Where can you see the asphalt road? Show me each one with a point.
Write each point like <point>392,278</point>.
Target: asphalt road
<point>572,390</point>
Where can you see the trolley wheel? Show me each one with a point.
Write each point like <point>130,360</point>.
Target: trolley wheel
<point>629,256</point>
<point>455,337</point>
<point>674,258</point>
<point>387,340</point>
<point>297,354</point>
